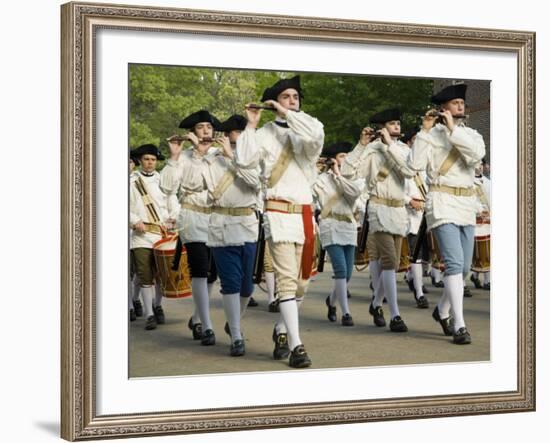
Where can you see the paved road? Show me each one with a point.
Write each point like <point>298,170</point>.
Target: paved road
<point>170,349</point>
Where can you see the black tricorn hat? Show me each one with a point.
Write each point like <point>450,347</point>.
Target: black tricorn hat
<point>147,149</point>
<point>450,93</point>
<point>410,134</point>
<point>201,116</point>
<point>273,92</point>
<point>234,123</point>
<point>386,115</point>
<point>133,157</point>
<point>336,148</point>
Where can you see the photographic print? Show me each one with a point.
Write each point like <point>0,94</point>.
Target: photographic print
<point>340,320</point>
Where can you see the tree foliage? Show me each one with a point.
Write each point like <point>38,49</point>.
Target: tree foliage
<point>161,96</point>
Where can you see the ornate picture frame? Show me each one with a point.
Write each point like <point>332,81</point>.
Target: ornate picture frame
<point>80,23</point>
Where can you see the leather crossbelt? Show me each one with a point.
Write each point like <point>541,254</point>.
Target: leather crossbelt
<point>459,192</point>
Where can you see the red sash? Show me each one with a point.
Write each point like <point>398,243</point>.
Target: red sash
<point>309,243</point>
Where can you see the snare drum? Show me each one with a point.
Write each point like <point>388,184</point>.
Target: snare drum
<point>175,284</point>
<point>482,254</point>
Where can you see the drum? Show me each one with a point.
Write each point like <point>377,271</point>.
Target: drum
<point>404,260</point>
<point>437,260</point>
<point>482,254</point>
<point>175,284</point>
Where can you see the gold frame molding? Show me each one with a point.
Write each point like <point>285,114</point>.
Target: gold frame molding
<point>79,23</point>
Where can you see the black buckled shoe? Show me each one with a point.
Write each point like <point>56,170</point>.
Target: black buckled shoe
<point>487,286</point>
<point>299,358</point>
<point>446,323</point>
<point>437,284</point>
<point>475,281</point>
<point>159,314</point>
<point>398,325</point>
<point>422,302</point>
<point>281,350</point>
<point>237,348</point>
<point>377,315</point>
<point>138,308</point>
<point>132,315</point>
<point>196,328</point>
<point>467,292</point>
<point>273,306</point>
<point>208,338</point>
<point>331,313</point>
<point>251,302</point>
<point>462,337</point>
<point>151,323</point>
<point>347,320</point>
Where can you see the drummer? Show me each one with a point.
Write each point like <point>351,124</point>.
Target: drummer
<point>148,215</point>
<point>134,303</point>
<point>481,264</point>
<point>336,197</point>
<point>449,152</point>
<point>178,181</point>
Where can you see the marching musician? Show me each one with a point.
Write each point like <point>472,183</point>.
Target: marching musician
<point>382,163</point>
<point>233,229</point>
<point>481,264</point>
<point>287,150</point>
<point>134,303</point>
<point>336,196</point>
<point>449,152</point>
<point>148,215</point>
<point>180,176</point>
<point>414,201</point>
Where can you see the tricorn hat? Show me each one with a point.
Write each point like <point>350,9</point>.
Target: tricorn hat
<point>201,116</point>
<point>336,148</point>
<point>386,115</point>
<point>147,149</point>
<point>410,134</point>
<point>234,123</point>
<point>450,93</point>
<point>273,92</point>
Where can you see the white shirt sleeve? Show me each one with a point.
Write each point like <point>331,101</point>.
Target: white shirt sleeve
<point>309,130</point>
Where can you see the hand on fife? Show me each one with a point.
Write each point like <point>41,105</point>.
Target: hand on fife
<point>252,115</point>
<point>429,119</point>
<point>448,118</point>
<point>367,134</point>
<point>193,139</point>
<point>386,138</point>
<point>226,146</point>
<point>281,110</point>
<point>175,149</point>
